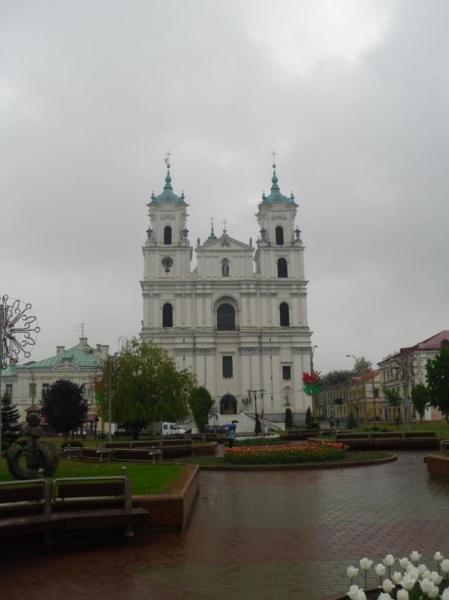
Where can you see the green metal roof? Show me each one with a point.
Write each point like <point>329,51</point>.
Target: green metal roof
<point>78,357</point>
<point>167,194</point>
<point>9,371</point>
<point>276,193</point>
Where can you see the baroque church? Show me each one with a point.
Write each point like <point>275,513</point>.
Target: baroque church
<point>239,319</point>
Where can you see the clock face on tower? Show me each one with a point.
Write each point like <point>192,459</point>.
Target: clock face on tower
<point>167,262</point>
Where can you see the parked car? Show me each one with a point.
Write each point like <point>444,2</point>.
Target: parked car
<point>123,431</point>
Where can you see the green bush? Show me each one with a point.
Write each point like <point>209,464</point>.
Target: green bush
<point>257,441</point>
<point>288,418</point>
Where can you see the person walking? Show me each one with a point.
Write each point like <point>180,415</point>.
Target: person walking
<point>230,435</point>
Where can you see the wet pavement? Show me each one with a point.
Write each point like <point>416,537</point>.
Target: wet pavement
<point>271,535</point>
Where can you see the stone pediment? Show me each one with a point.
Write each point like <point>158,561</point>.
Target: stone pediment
<point>65,365</point>
<point>224,242</point>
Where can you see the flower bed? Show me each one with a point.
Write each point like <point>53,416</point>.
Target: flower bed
<point>283,454</point>
<point>415,580</point>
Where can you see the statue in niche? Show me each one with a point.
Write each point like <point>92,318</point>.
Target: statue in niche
<point>225,268</point>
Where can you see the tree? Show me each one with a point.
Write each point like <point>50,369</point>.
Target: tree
<point>200,402</point>
<point>10,421</point>
<point>394,399</point>
<point>336,378</point>
<point>309,417</point>
<point>146,387</point>
<point>289,418</point>
<point>64,406</point>
<point>258,426</point>
<point>438,381</point>
<point>420,399</point>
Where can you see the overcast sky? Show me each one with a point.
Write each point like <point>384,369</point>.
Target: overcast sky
<point>352,94</point>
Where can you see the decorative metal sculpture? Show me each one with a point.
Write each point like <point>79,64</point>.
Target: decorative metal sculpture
<point>19,330</point>
<point>39,455</point>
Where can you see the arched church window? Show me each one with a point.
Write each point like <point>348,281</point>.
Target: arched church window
<point>225,318</point>
<point>167,235</point>
<point>282,268</point>
<point>284,315</point>
<point>167,315</point>
<point>279,236</point>
<point>225,267</point>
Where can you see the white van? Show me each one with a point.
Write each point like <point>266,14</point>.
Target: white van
<point>171,429</point>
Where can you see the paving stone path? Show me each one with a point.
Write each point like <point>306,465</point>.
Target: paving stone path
<point>265,536</point>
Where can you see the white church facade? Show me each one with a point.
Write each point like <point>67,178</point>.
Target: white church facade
<point>239,319</point>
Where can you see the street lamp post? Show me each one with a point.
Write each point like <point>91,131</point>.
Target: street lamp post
<point>314,399</point>
<point>256,416</point>
<point>359,367</point>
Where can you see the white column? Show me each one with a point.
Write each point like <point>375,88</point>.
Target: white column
<point>157,320</point>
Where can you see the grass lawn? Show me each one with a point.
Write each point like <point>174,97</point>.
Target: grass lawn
<point>146,478</point>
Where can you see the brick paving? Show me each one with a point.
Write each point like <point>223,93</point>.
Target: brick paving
<point>265,536</point>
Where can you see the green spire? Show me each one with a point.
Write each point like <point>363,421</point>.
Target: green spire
<point>167,193</point>
<point>275,192</point>
<point>212,234</point>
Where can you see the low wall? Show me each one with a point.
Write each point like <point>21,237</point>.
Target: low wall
<point>438,464</point>
<point>172,510</point>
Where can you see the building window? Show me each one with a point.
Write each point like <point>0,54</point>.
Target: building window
<point>282,268</point>
<point>376,392</point>
<point>286,373</point>
<point>279,236</point>
<point>167,235</point>
<point>8,389</point>
<point>226,318</point>
<point>167,315</point>
<point>227,367</point>
<point>284,315</point>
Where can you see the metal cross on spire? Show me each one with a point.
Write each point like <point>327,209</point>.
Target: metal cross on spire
<point>167,159</point>
<point>274,154</point>
<point>224,225</point>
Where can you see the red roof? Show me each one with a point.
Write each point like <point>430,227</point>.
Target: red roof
<point>368,375</point>
<point>432,343</point>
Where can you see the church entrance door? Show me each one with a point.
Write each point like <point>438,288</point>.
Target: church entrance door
<point>228,405</point>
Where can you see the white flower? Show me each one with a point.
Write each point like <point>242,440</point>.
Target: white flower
<point>433,593</point>
<point>396,577</point>
<point>365,563</point>
<point>413,572</point>
<point>384,597</point>
<point>445,565</point>
<point>421,569</point>
<point>388,586</point>
<point>404,562</point>
<point>415,556</point>
<point>426,585</point>
<point>438,556</point>
<point>380,570</point>
<point>445,594</point>
<point>353,591</point>
<point>408,582</point>
<point>352,572</point>
<point>389,560</point>
<point>436,578</point>
<point>403,595</point>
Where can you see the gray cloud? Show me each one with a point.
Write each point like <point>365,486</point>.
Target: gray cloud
<point>95,93</point>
